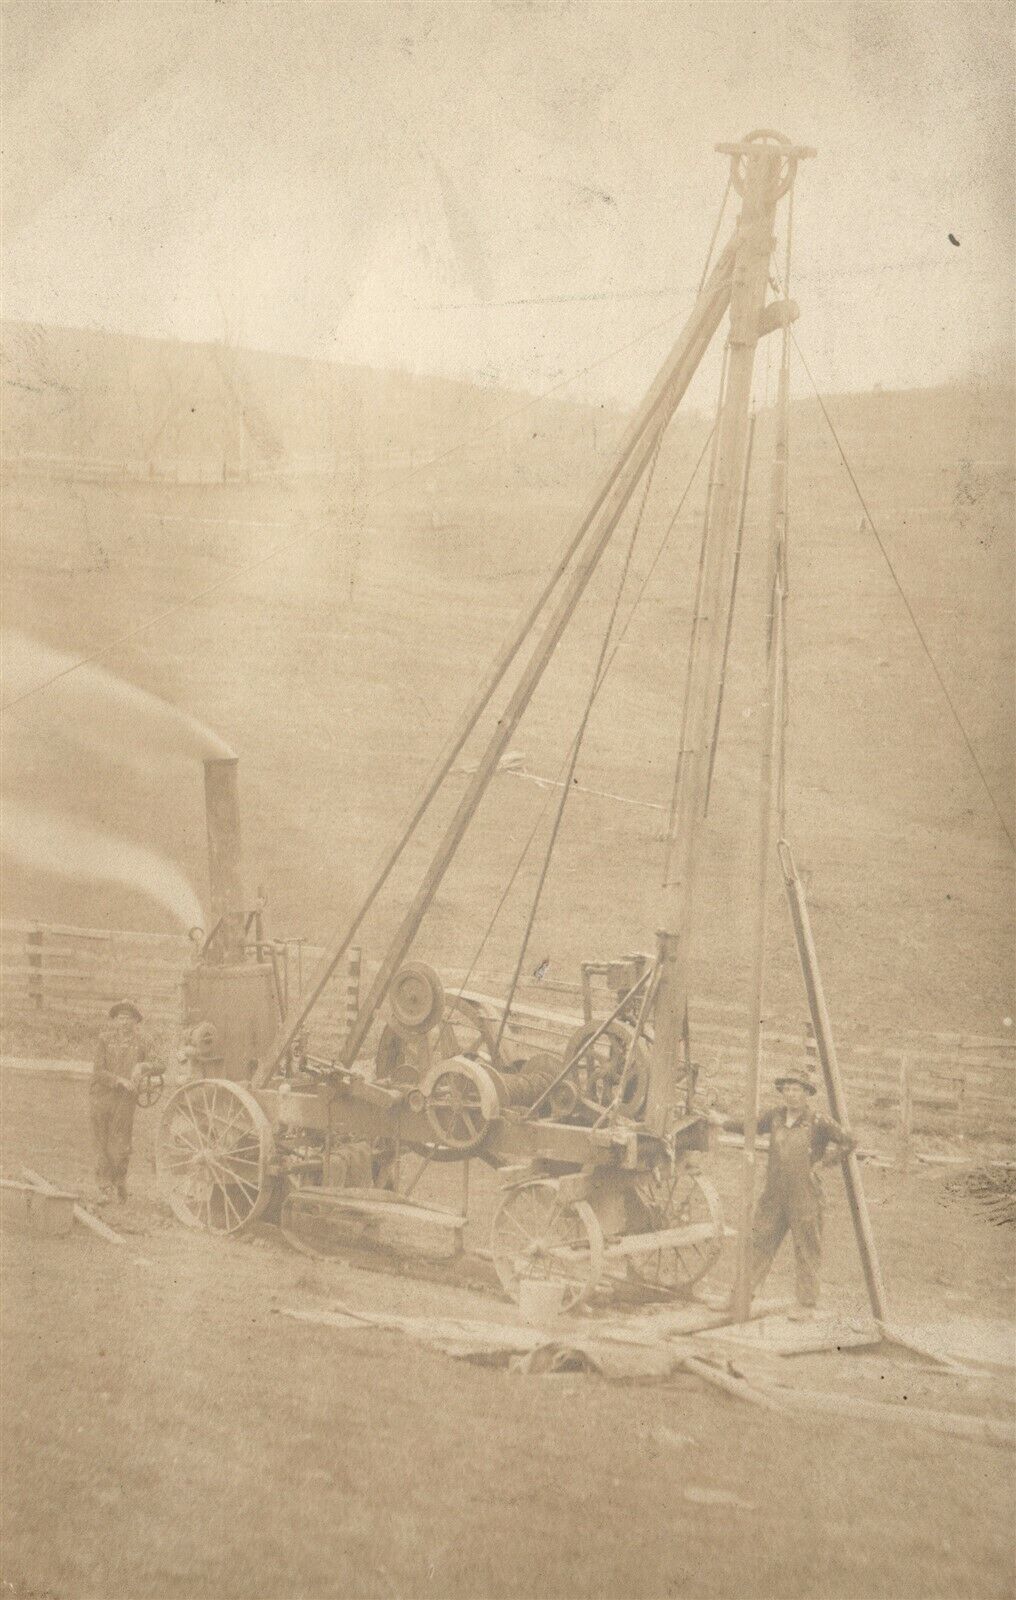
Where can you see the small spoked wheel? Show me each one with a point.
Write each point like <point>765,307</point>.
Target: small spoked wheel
<point>149,1090</point>
<point>537,1235</point>
<point>669,1196</point>
<point>213,1154</point>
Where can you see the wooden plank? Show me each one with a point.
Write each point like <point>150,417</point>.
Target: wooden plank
<point>505,1337</point>
<point>696,1316</point>
<point>958,1424</point>
<point>383,1208</point>
<point>34,1188</point>
<point>816,1402</point>
<point>636,1244</point>
<point>781,1336</point>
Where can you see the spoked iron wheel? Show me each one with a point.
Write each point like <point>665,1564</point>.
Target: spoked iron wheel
<point>536,1235</point>
<point>672,1197</point>
<point>213,1154</point>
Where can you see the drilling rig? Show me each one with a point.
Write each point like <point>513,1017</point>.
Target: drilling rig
<point>598,1147</point>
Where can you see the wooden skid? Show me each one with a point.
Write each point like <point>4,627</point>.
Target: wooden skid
<point>638,1244</point>
<point>362,1203</point>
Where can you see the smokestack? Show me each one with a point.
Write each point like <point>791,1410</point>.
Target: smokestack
<point>222,808</point>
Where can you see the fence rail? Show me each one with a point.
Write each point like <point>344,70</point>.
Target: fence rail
<point>912,1082</point>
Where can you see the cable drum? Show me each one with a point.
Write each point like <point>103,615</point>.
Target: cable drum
<point>600,1067</point>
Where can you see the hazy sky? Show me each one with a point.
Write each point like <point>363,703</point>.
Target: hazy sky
<point>506,190</point>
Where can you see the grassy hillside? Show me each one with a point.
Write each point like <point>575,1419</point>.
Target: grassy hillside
<point>337,665</point>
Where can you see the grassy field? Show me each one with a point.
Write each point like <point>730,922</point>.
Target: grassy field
<point>168,1435</point>
<point>337,668</point>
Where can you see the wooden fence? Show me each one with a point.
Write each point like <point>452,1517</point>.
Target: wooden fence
<point>954,1085</point>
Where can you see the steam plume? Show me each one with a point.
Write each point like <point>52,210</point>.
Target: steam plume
<point>47,843</point>
<point>100,710</point>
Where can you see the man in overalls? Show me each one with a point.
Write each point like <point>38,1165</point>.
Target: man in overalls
<point>791,1200</point>
<point>123,1059</point>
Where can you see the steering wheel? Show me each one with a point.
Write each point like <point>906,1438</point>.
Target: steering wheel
<point>150,1089</point>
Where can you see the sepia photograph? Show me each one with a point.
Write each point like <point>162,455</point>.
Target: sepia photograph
<point>508,800</point>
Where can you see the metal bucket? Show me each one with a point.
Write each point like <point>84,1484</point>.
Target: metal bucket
<point>541,1299</point>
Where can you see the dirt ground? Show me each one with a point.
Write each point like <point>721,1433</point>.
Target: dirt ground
<point>168,1434</point>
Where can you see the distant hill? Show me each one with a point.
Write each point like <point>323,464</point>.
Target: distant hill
<point>346,611</point>
<point>71,391</point>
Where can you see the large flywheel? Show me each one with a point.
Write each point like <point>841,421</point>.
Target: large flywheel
<point>213,1156</point>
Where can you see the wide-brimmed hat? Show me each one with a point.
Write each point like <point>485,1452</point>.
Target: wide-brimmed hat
<point>804,1078</point>
<point>125,1008</point>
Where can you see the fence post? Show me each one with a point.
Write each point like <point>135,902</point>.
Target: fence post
<point>33,942</point>
<point>906,1110</point>
<point>352,988</point>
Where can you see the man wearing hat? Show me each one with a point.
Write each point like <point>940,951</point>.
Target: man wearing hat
<point>791,1200</point>
<point>123,1058</point>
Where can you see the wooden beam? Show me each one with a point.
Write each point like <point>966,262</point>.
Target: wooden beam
<point>818,1403</point>
<point>35,1188</point>
<point>705,664</point>
<point>637,1244</point>
<point>771,724</point>
<point>822,1024</point>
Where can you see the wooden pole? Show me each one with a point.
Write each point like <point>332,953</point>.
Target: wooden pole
<point>730,609</point>
<point>772,712</point>
<point>607,503</point>
<point>771,721</point>
<point>833,1082</point>
<point>762,166</point>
